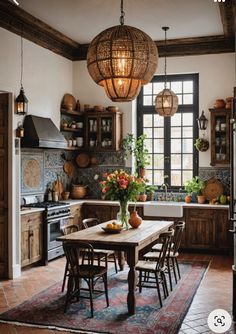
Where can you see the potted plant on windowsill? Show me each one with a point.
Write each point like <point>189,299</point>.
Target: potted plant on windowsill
<point>194,187</point>
<point>137,147</point>
<point>150,191</point>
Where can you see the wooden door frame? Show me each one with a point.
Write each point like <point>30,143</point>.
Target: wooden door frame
<point>13,185</point>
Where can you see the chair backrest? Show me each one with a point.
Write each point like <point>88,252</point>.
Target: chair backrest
<point>74,253</point>
<point>70,229</point>
<point>179,228</point>
<point>165,248</point>
<point>89,222</point>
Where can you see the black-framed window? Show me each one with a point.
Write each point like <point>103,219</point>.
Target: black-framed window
<point>170,140</point>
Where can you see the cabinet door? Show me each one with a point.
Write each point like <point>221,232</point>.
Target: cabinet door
<point>224,239</point>
<point>92,138</point>
<point>220,123</point>
<point>76,213</point>
<point>35,242</point>
<point>31,238</point>
<point>200,229</point>
<point>107,133</point>
<point>101,212</point>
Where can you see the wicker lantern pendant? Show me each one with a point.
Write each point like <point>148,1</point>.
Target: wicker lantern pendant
<point>122,59</point>
<point>166,103</point>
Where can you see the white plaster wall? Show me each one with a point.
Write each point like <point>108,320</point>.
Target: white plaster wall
<point>46,78</point>
<point>216,80</point>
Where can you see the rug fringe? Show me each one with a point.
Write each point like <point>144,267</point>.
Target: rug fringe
<point>17,323</point>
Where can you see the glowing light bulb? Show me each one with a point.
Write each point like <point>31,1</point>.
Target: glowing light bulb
<point>120,82</point>
<point>166,104</point>
<point>121,65</point>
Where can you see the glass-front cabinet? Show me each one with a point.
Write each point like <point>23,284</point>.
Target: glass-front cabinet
<point>104,130</point>
<point>220,145</point>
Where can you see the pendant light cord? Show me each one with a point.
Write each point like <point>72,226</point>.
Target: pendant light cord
<point>122,13</point>
<point>165,66</point>
<point>21,74</point>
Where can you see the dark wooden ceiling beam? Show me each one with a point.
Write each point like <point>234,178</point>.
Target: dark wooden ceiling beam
<point>227,13</point>
<point>20,22</point>
<point>183,47</point>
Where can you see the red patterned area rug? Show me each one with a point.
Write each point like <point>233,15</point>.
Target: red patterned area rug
<point>45,309</point>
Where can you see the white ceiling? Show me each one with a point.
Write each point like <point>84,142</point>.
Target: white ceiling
<point>82,20</point>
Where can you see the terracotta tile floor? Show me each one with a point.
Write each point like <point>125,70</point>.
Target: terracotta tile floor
<point>214,292</point>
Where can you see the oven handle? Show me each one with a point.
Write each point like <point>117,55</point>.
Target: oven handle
<point>58,218</point>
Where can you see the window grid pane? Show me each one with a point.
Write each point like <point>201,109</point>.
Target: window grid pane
<point>180,136</point>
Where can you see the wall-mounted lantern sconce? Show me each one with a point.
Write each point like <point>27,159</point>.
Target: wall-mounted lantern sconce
<point>202,121</point>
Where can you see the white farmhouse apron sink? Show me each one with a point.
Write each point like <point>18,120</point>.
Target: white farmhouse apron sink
<point>163,209</point>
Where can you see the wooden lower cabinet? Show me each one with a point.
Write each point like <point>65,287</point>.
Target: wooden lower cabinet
<point>76,215</point>
<point>208,229</point>
<point>101,212</point>
<point>199,229</point>
<point>31,238</point>
<point>105,212</point>
<point>205,229</point>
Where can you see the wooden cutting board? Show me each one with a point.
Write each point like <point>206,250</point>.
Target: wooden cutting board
<point>58,186</point>
<point>213,189</point>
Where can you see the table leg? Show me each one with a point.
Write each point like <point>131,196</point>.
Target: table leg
<point>121,260</point>
<point>132,259</point>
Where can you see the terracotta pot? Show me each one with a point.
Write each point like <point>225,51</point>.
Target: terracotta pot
<point>135,220</point>
<point>78,191</point>
<point>141,172</point>
<point>65,195</point>
<point>219,103</point>
<point>142,197</point>
<point>188,199</point>
<point>201,199</point>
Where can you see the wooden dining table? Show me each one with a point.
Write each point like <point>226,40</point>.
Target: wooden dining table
<point>130,241</point>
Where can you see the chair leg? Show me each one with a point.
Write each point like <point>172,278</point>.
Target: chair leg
<point>158,289</point>
<point>169,274</point>
<point>140,281</point>
<point>106,289</point>
<point>90,284</point>
<point>165,283</point>
<point>69,292</point>
<point>177,266</point>
<point>173,265</point>
<point>115,264</point>
<point>64,278</point>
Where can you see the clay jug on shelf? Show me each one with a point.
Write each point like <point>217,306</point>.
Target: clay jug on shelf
<point>135,220</point>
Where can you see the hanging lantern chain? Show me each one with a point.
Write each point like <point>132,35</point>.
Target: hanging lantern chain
<point>122,13</point>
<point>21,74</point>
<point>165,66</point>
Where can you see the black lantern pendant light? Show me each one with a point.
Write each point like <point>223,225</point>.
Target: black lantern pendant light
<point>122,59</point>
<point>166,102</point>
<point>21,100</point>
<point>202,121</point>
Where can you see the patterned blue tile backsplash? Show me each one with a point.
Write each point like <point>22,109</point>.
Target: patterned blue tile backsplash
<point>52,162</point>
<point>49,165</point>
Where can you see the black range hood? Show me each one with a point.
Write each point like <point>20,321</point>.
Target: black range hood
<point>40,132</point>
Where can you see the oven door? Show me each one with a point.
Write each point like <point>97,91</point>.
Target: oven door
<point>54,231</point>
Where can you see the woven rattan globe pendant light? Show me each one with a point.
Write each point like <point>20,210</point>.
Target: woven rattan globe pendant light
<point>166,102</point>
<point>122,59</point>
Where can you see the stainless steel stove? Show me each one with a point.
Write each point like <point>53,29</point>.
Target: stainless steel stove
<point>56,216</point>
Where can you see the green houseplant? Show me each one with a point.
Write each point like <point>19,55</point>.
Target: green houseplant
<point>201,144</point>
<point>195,186</point>
<point>150,191</point>
<point>136,146</point>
